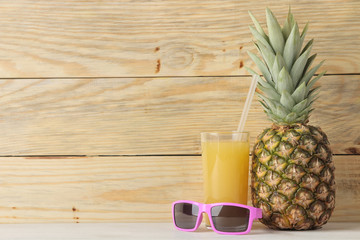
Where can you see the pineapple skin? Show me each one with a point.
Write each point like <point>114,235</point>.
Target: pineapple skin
<point>292,177</point>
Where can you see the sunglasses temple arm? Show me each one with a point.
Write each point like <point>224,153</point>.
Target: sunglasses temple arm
<point>258,213</point>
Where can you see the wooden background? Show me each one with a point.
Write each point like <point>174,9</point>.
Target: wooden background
<point>102,102</point>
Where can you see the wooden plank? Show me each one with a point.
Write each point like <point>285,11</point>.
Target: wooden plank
<point>124,189</point>
<point>151,116</point>
<point>141,231</point>
<point>167,38</point>
<point>95,189</point>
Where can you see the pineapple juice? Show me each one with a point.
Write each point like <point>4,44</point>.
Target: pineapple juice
<point>225,171</point>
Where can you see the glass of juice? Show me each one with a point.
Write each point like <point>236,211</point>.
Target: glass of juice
<point>225,158</point>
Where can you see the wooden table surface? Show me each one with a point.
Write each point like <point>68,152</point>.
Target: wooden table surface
<point>133,231</point>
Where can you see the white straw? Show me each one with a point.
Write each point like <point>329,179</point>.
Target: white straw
<point>248,101</point>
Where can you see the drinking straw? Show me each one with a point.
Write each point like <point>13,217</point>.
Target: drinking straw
<point>248,101</point>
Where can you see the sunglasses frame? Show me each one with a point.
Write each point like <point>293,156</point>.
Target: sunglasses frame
<point>255,213</point>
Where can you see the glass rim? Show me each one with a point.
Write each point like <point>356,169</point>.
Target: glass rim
<point>229,132</point>
<point>225,133</point>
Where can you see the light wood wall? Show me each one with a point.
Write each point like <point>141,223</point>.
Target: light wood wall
<point>102,102</point>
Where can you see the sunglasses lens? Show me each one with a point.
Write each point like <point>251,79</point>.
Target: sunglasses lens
<point>185,215</point>
<point>230,218</point>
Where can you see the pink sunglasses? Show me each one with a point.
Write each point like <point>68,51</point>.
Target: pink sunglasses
<point>225,218</point>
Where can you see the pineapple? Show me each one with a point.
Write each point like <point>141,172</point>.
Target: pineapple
<point>292,176</point>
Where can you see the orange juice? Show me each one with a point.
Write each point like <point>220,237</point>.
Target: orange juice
<point>225,170</point>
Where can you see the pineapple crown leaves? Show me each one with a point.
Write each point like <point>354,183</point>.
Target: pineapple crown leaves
<point>287,88</point>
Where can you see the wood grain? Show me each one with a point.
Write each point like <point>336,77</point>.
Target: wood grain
<point>141,231</point>
<point>151,115</point>
<point>163,38</point>
<point>124,189</point>
<point>92,78</point>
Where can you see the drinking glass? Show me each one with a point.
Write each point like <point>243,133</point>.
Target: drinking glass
<point>225,158</point>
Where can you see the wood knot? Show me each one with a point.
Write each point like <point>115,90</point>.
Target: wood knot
<point>352,150</point>
<point>241,64</point>
<point>158,66</point>
<point>177,55</point>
